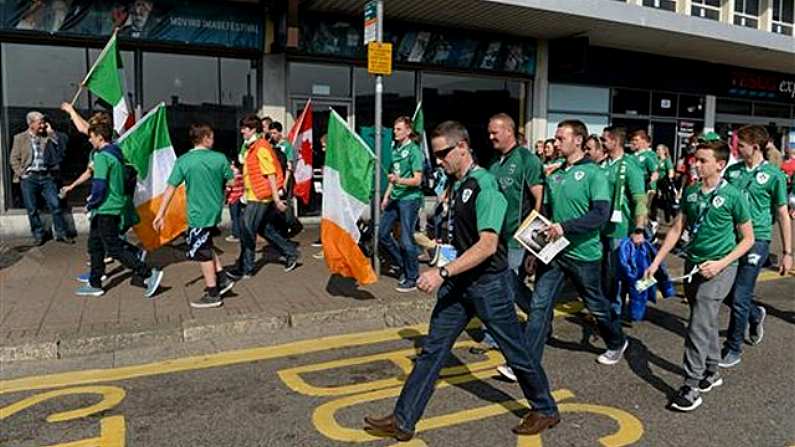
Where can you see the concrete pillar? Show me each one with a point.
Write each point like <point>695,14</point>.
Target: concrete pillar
<point>727,11</point>
<point>766,15</point>
<point>274,87</point>
<point>540,101</point>
<point>683,7</point>
<point>709,113</point>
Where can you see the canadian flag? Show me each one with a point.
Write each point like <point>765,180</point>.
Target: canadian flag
<point>300,137</point>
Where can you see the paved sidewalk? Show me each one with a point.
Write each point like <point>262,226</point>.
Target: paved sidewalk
<point>42,318</point>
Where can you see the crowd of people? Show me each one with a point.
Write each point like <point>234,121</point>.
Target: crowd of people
<point>595,192</point>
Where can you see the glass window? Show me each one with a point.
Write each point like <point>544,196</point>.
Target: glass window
<point>630,102</point>
<point>318,80</point>
<point>663,104</point>
<point>733,106</point>
<point>783,16</point>
<point>594,123</point>
<point>398,99</point>
<point>668,5</point>
<point>771,110</point>
<point>41,77</point>
<point>189,86</point>
<point>575,98</point>
<point>472,101</point>
<point>746,13</point>
<point>707,9</point>
<point>691,106</point>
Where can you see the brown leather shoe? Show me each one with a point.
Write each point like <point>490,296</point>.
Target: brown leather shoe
<point>387,426</point>
<point>535,423</point>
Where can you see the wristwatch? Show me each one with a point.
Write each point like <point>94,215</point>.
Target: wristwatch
<point>444,273</point>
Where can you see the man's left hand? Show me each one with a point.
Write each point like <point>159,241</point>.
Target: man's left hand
<point>392,178</point>
<point>786,264</point>
<point>555,231</point>
<point>711,269</point>
<point>429,281</point>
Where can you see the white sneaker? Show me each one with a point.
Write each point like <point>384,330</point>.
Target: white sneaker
<point>507,372</point>
<point>613,356</point>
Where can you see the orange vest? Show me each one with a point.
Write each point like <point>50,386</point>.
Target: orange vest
<point>259,182</point>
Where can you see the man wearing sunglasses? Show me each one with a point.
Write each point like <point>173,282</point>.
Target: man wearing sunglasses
<point>476,283</point>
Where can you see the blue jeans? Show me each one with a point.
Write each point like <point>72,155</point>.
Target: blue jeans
<point>252,219</point>
<point>236,214</point>
<point>515,258</point>
<point>43,184</point>
<point>405,255</point>
<point>489,298</point>
<point>587,279</point>
<point>274,237</point>
<point>741,297</point>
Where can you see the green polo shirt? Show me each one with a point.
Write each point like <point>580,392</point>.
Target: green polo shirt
<point>205,173</point>
<point>647,158</point>
<point>516,172</point>
<point>289,151</point>
<point>109,168</point>
<point>571,192</point>
<point>633,185</point>
<point>406,160</point>
<point>664,166</point>
<point>765,188</point>
<point>714,235</point>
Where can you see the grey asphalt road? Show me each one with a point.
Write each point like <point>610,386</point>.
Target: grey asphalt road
<point>290,395</point>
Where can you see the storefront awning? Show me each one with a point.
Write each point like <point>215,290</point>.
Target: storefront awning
<point>606,23</point>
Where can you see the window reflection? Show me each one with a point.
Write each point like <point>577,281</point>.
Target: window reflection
<point>398,98</point>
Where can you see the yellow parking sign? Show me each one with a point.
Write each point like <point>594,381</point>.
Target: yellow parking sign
<point>379,58</point>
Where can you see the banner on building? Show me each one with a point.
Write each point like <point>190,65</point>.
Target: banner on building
<point>177,21</point>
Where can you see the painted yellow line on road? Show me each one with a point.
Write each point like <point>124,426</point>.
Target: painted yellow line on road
<point>292,376</point>
<point>111,396</point>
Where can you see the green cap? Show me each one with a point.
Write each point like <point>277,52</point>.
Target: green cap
<point>710,136</point>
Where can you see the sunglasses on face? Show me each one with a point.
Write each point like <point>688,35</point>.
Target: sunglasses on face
<point>441,154</point>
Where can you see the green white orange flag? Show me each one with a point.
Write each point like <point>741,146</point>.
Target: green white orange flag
<point>147,146</point>
<point>347,190</point>
<point>105,79</point>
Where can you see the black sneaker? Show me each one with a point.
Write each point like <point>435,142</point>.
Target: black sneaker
<point>225,283</point>
<point>710,381</point>
<point>317,243</point>
<point>756,331</point>
<point>237,275</point>
<point>291,264</point>
<point>686,399</point>
<point>207,301</point>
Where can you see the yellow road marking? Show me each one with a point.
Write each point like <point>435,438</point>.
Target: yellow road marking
<point>112,434</point>
<point>291,376</point>
<point>111,396</point>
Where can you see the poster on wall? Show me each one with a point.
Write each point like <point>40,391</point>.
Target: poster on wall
<point>178,21</point>
<point>322,36</point>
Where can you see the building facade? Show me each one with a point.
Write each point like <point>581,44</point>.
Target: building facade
<point>672,67</point>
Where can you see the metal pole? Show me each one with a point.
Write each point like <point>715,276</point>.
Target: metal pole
<point>379,90</point>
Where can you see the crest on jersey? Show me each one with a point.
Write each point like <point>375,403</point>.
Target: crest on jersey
<point>718,201</point>
<point>762,178</point>
<point>692,197</point>
<point>579,175</point>
<point>734,174</point>
<point>466,195</point>
<point>404,153</point>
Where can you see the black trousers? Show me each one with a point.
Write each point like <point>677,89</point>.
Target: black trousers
<point>104,240</point>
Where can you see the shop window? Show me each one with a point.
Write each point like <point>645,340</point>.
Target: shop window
<point>782,16</point>
<point>706,9</point>
<point>771,110</point>
<point>472,101</point>
<point>575,98</point>
<point>595,124</point>
<point>691,106</point>
<point>746,13</point>
<point>663,104</point>
<point>630,102</point>
<point>398,99</point>
<point>41,77</point>
<point>733,107</point>
<point>318,80</point>
<point>668,5</point>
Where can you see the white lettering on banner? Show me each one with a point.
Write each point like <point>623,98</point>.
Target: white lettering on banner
<point>787,87</point>
<point>220,25</point>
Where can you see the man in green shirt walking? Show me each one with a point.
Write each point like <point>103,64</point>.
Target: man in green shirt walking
<point>205,174</point>
<point>107,203</point>
<point>765,187</point>
<point>717,217</point>
<point>647,159</point>
<point>627,211</point>
<point>401,203</point>
<point>577,202</point>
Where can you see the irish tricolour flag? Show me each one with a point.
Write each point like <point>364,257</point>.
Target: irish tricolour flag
<point>106,80</point>
<point>147,146</point>
<point>347,189</point>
